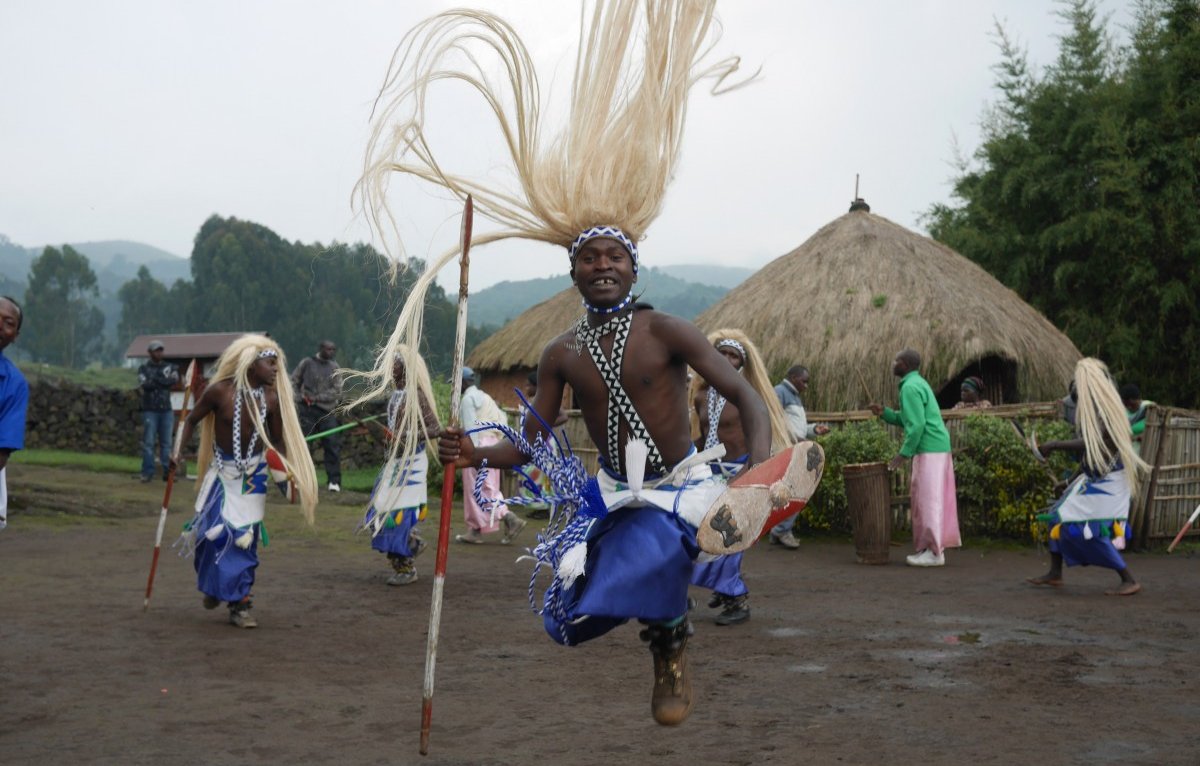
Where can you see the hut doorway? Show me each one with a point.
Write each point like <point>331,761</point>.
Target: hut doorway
<point>999,378</point>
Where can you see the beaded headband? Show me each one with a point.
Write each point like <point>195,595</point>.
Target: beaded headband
<point>268,353</point>
<point>733,344</point>
<point>612,232</point>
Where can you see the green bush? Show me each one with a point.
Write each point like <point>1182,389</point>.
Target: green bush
<point>862,442</point>
<point>1001,486</point>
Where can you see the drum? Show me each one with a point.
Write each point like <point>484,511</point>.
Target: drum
<point>869,500</point>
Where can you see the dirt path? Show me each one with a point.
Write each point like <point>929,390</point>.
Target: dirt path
<point>840,663</point>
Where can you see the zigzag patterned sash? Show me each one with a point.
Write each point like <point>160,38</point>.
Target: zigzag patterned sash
<point>716,405</point>
<point>619,405</point>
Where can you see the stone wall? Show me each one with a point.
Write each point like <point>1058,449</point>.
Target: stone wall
<point>70,417</point>
<point>66,416</point>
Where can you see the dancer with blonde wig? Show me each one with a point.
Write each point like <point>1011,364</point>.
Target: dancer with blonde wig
<point>718,422</point>
<point>1089,524</point>
<point>398,501</point>
<point>593,187</point>
<point>249,436</point>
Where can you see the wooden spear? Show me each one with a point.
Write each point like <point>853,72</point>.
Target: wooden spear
<point>443,544</point>
<point>162,517</point>
<point>1191,520</point>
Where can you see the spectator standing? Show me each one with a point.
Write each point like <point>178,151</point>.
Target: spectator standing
<point>789,392</point>
<point>1138,408</point>
<point>156,378</point>
<point>971,395</point>
<point>477,407</point>
<point>14,398</point>
<point>318,385</point>
<point>927,442</point>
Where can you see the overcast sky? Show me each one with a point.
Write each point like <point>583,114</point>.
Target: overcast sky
<point>138,120</point>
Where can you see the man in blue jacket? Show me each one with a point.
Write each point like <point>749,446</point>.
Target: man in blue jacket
<point>14,398</point>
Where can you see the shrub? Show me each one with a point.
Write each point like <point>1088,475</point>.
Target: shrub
<point>1001,486</point>
<point>862,442</point>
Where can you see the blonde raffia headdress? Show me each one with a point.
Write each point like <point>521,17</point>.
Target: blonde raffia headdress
<point>754,370</point>
<point>234,365</point>
<point>608,166</point>
<point>1104,423</point>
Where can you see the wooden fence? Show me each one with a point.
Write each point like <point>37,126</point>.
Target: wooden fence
<point>1171,444</point>
<point>955,422</point>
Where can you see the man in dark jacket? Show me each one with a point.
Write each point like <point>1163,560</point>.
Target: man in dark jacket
<point>156,378</point>
<point>318,386</point>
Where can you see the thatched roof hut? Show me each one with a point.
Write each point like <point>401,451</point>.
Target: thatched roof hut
<point>505,359</point>
<point>863,288</point>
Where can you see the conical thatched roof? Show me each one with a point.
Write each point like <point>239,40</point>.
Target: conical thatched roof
<point>519,343</point>
<point>863,288</point>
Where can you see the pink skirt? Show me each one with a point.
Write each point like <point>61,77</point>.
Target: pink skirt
<point>934,503</point>
<point>475,516</point>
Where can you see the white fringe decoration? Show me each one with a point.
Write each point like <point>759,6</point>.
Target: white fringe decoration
<point>243,540</point>
<point>572,563</point>
<point>636,453</point>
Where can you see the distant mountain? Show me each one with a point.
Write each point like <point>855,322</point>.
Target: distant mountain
<point>101,254</point>
<point>114,261</point>
<point>494,306</point>
<point>728,277</point>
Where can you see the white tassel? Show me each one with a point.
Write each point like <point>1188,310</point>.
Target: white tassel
<point>636,453</point>
<point>1087,530</point>
<point>213,532</point>
<point>243,541</point>
<point>572,563</point>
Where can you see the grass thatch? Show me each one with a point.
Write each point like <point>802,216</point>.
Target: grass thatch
<point>863,288</point>
<point>520,342</point>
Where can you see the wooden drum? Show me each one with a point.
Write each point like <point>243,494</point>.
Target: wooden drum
<point>869,497</point>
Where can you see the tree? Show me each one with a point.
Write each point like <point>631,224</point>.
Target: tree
<point>62,327</point>
<point>245,277</point>
<point>145,306</point>
<point>1083,196</point>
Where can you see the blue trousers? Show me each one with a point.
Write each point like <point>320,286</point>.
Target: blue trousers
<point>156,425</point>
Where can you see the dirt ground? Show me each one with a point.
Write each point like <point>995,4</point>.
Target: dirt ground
<point>840,663</point>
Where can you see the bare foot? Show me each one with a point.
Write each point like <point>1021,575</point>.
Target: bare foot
<point>1126,589</point>
<point>1045,580</point>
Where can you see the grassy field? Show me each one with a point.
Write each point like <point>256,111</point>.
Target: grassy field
<point>84,460</point>
<point>104,377</point>
<point>357,480</point>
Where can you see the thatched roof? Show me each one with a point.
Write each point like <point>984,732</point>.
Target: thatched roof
<point>863,288</point>
<point>519,343</point>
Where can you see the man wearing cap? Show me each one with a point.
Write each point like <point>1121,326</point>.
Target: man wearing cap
<point>156,378</point>
<point>477,407</point>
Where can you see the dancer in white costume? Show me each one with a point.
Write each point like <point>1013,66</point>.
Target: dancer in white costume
<point>247,419</point>
<point>398,502</point>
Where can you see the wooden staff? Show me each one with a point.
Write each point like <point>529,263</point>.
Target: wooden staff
<point>162,517</point>
<point>863,381</point>
<point>1191,520</point>
<point>443,544</point>
<point>1030,441</point>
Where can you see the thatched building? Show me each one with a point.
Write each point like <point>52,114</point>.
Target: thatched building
<point>505,359</point>
<point>863,288</point>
